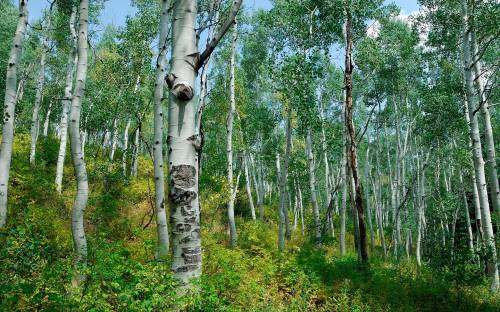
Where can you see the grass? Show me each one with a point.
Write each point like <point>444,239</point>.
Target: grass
<point>36,256</point>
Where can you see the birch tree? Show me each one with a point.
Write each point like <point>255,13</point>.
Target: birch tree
<point>82,185</point>
<point>66,102</point>
<point>161,218</point>
<point>183,141</point>
<point>35,120</point>
<point>9,108</point>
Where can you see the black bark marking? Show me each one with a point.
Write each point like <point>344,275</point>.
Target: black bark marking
<point>181,196</point>
<point>183,176</point>
<point>186,268</point>
<point>186,211</point>
<point>183,227</point>
<point>191,255</point>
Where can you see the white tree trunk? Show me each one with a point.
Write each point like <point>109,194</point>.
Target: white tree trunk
<point>328,194</point>
<point>183,144</point>
<point>35,120</point>
<point>248,187</point>
<point>488,129</point>
<point>114,141</point>
<point>82,193</point>
<point>301,205</point>
<point>135,157</point>
<point>9,108</point>
<point>281,205</point>
<point>47,121</point>
<point>489,238</point>
<point>312,187</point>
<point>66,102</point>
<point>343,206</point>
<point>125,148</point>
<point>229,146</point>
<point>467,217</point>
<point>161,215</point>
<point>367,198</point>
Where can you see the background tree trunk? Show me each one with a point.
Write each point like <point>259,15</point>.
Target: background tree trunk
<point>66,102</point>
<point>35,120</point>
<point>161,216</point>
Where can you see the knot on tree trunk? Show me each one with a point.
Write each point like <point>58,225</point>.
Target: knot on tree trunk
<point>181,89</point>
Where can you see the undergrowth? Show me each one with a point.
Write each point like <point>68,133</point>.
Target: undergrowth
<point>36,256</point>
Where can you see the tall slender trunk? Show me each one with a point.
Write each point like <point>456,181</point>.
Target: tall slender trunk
<point>467,216</point>
<point>82,192</point>
<point>281,205</point>
<point>66,102</point>
<point>256,186</point>
<point>301,204</point>
<point>161,215</point>
<point>35,120</point>
<point>114,142</point>
<point>260,187</point>
<point>488,129</point>
<point>248,186</point>
<point>343,206</point>
<point>229,127</point>
<point>283,181</point>
<point>10,107</point>
<point>489,238</point>
<point>367,198</point>
<point>125,148</point>
<point>324,146</point>
<point>358,197</point>
<point>47,121</point>
<point>312,187</point>
<point>135,156</point>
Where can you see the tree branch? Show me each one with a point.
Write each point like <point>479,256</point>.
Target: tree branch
<point>216,39</point>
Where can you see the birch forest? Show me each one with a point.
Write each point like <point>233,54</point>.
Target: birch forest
<point>257,155</point>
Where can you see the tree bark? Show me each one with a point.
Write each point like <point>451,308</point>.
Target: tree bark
<point>10,107</point>
<point>367,198</point>
<point>488,129</point>
<point>82,193</point>
<point>248,186</point>
<point>489,238</point>
<point>183,148</point>
<point>343,207</point>
<point>66,102</point>
<point>47,121</point>
<point>35,120</point>
<point>229,127</point>
<point>312,187</point>
<point>125,147</point>
<point>161,216</point>
<point>352,141</point>
<point>135,157</point>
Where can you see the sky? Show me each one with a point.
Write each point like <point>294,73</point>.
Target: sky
<point>116,11</point>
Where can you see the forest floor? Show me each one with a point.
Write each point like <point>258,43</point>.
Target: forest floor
<point>36,255</point>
